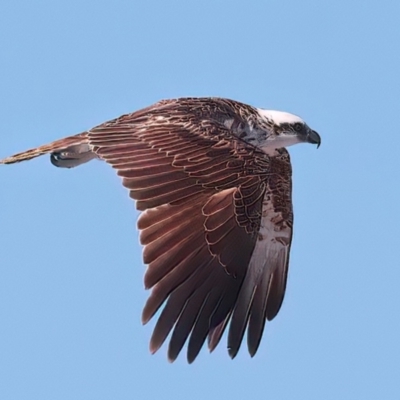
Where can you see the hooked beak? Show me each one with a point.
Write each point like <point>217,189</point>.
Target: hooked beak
<point>313,138</point>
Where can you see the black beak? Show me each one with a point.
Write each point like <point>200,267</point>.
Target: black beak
<point>313,138</point>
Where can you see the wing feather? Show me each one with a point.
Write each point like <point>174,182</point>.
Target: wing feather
<point>257,317</point>
<point>202,193</point>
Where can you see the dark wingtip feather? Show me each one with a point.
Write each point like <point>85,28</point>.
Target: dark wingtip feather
<point>258,315</point>
<point>254,345</point>
<point>240,317</point>
<point>215,335</point>
<point>233,352</point>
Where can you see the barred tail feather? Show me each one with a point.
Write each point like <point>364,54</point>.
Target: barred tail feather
<point>68,152</point>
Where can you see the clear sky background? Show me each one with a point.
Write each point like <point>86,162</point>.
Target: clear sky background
<point>71,289</point>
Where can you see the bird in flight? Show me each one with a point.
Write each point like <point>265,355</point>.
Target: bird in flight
<point>211,178</point>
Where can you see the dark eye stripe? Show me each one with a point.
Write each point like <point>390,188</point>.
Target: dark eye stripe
<point>298,127</point>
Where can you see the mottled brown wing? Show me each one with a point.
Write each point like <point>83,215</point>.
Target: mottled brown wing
<point>201,200</point>
<point>263,288</point>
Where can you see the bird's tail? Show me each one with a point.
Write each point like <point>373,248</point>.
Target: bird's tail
<point>68,152</point>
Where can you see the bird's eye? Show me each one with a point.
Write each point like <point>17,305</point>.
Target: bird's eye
<point>298,127</point>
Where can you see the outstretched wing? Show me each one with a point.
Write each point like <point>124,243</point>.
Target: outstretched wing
<point>211,224</point>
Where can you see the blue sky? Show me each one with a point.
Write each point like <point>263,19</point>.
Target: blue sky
<point>71,290</point>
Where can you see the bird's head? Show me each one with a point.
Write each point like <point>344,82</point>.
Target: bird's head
<point>286,129</point>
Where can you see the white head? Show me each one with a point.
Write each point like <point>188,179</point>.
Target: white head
<point>286,129</point>
<point>279,117</point>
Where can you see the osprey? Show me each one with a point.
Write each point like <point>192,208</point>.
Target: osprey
<point>212,180</point>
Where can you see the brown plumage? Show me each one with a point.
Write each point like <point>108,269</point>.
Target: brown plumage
<point>216,221</point>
